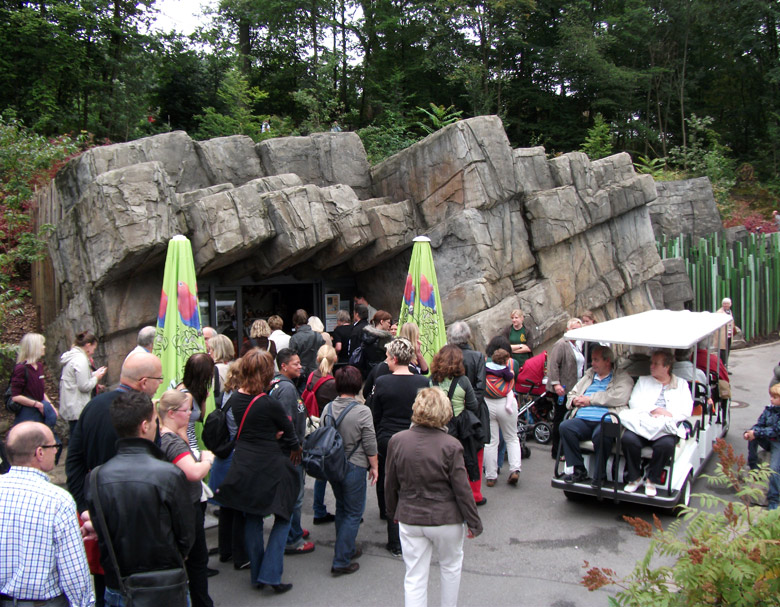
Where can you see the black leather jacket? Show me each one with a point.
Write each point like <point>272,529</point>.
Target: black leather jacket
<point>147,507</point>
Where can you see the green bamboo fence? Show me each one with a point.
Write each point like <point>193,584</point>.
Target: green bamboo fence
<point>748,273</point>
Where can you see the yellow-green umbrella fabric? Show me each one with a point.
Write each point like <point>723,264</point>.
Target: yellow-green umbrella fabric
<point>421,302</point>
<point>179,332</point>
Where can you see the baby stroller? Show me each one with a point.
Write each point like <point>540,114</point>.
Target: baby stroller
<point>534,408</point>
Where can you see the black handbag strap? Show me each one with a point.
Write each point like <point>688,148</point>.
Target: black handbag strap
<point>104,528</point>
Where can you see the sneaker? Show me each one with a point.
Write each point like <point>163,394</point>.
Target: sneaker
<point>322,520</point>
<point>513,478</point>
<point>491,482</point>
<point>633,486</point>
<point>580,475</point>
<point>394,550</point>
<point>304,548</point>
<point>482,502</point>
<point>305,534</point>
<point>650,490</point>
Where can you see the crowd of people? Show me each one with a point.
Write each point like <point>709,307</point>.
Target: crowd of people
<point>136,469</point>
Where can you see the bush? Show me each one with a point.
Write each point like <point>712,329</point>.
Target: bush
<point>598,143</point>
<point>27,160</point>
<point>728,554</point>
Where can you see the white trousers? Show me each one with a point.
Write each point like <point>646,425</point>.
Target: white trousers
<point>417,543</point>
<point>507,421</point>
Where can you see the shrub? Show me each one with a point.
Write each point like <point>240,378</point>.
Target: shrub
<point>727,554</point>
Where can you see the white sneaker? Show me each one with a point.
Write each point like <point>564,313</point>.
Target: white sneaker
<point>633,485</point>
<point>650,490</point>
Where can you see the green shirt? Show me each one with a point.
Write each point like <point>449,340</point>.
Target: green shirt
<point>518,336</point>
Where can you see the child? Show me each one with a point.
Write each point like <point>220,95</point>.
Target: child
<point>766,434</point>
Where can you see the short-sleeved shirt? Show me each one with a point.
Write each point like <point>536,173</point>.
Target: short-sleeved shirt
<point>519,336</point>
<point>175,448</point>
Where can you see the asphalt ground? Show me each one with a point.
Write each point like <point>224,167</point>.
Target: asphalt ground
<point>534,544</point>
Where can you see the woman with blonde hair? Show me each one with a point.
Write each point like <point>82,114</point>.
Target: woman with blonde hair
<point>28,388</point>
<point>439,517</point>
<point>222,351</point>
<point>175,408</point>
<point>78,379</point>
<point>316,325</point>
<point>411,331</point>
<point>259,337</point>
<point>323,385</point>
<point>392,407</point>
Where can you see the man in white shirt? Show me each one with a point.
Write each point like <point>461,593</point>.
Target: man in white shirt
<point>51,569</point>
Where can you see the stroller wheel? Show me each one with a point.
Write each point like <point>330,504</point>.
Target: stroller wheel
<point>542,433</point>
<point>525,451</point>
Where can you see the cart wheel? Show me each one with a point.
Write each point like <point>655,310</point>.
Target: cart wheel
<point>525,451</point>
<point>542,433</point>
<point>573,496</point>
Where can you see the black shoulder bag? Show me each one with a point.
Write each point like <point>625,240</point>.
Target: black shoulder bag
<point>167,587</point>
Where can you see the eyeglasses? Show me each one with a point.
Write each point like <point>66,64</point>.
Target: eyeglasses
<point>57,447</point>
<point>187,411</point>
<point>147,377</point>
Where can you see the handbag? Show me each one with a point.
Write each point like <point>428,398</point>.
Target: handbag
<point>166,587</point>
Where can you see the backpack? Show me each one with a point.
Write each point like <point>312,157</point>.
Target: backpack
<point>323,449</point>
<point>215,434</point>
<point>309,395</point>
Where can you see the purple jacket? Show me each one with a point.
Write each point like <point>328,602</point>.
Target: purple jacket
<point>28,383</point>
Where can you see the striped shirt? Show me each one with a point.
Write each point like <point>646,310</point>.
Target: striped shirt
<point>41,551</point>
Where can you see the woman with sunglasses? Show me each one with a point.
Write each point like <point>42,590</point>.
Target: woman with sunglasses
<point>175,408</point>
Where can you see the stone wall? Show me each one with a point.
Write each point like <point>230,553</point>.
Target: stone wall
<point>509,228</point>
<point>685,207</point>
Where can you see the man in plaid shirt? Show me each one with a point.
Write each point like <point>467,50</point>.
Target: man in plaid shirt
<point>42,558</point>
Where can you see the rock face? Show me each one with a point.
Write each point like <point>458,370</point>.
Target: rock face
<point>509,228</point>
<point>685,207</point>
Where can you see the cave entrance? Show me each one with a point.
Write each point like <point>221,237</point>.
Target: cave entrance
<point>231,309</point>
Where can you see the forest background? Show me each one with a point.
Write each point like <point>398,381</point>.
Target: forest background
<point>687,87</point>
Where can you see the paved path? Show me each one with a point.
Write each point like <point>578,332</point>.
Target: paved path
<point>533,547</point>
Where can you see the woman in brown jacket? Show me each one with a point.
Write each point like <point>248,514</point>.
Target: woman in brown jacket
<point>428,493</point>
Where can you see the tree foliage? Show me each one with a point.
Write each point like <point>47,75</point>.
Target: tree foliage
<point>546,67</point>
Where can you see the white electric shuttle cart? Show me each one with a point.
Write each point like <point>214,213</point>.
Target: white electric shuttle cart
<point>654,330</point>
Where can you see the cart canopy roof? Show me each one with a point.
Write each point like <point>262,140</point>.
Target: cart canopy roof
<point>654,329</point>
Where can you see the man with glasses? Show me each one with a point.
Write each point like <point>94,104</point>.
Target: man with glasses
<point>51,569</point>
<point>93,441</point>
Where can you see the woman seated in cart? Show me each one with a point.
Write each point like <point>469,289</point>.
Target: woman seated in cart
<point>658,403</point>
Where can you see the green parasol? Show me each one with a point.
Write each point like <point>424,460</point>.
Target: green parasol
<point>422,304</point>
<point>179,333</point>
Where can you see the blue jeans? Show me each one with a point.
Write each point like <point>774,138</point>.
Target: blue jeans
<point>350,505</point>
<point>319,498</point>
<point>267,562</point>
<point>31,414</point>
<point>773,493</point>
<point>295,536</point>
<point>112,598</point>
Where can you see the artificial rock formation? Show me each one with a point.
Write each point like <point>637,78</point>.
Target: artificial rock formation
<point>509,227</point>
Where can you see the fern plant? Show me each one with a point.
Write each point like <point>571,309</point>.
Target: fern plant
<point>439,117</point>
<point>726,554</point>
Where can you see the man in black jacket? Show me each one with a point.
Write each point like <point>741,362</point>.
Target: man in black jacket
<point>93,441</point>
<point>145,499</point>
<point>360,317</point>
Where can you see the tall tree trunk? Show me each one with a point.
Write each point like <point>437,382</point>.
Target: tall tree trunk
<point>244,47</point>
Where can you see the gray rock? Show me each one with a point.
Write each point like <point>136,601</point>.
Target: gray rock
<point>685,207</point>
<point>230,160</point>
<point>321,159</point>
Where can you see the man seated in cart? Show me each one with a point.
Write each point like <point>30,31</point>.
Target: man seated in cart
<point>603,389</point>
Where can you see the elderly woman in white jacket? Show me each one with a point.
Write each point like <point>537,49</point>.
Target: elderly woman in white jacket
<point>658,403</point>
<point>78,379</point>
